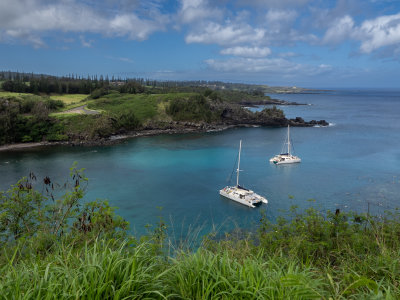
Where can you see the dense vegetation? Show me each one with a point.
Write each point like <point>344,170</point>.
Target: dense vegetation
<point>26,118</point>
<point>36,108</point>
<point>55,245</point>
<point>195,108</point>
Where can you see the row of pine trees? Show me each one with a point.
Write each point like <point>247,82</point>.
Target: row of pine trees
<point>22,82</point>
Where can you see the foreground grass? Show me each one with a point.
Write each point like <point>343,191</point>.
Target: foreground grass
<point>104,271</point>
<point>99,271</point>
<point>64,248</point>
<point>358,261</point>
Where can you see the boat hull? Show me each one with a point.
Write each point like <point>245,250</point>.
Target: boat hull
<point>231,194</point>
<point>288,157</point>
<point>290,161</point>
<point>285,159</point>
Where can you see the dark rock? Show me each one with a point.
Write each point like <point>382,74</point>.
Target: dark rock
<point>323,123</point>
<point>299,122</point>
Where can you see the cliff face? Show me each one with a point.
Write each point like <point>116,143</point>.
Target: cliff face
<point>236,115</point>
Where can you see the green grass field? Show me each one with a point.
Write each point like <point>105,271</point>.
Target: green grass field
<point>11,94</point>
<point>143,106</point>
<point>63,115</point>
<point>147,107</point>
<point>70,98</point>
<point>66,99</point>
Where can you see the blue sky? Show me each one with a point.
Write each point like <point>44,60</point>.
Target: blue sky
<point>308,43</point>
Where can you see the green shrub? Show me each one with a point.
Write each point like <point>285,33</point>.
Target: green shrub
<point>273,112</point>
<point>54,137</point>
<point>88,126</point>
<point>97,93</point>
<point>54,104</point>
<point>195,108</point>
<point>127,120</point>
<point>27,213</point>
<point>132,87</point>
<point>26,139</point>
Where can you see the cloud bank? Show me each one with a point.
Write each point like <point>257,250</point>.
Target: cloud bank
<point>252,36</point>
<point>30,19</point>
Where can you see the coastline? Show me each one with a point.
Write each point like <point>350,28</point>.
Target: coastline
<point>183,128</point>
<point>269,102</point>
<point>117,138</point>
<point>231,115</point>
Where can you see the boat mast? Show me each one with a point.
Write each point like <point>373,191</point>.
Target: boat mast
<point>288,140</point>
<point>238,168</point>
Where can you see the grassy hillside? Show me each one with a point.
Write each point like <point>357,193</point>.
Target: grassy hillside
<point>143,106</point>
<point>30,118</point>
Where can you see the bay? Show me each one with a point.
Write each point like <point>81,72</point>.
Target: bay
<point>352,164</point>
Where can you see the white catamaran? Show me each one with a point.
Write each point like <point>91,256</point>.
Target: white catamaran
<point>288,157</point>
<point>240,194</point>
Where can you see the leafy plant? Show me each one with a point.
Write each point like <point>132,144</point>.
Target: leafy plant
<point>196,108</point>
<point>26,213</point>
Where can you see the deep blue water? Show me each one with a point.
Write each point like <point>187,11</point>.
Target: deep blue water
<point>347,165</point>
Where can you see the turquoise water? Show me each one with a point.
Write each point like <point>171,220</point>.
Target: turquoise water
<point>348,165</point>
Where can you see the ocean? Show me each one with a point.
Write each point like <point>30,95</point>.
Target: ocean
<point>354,164</point>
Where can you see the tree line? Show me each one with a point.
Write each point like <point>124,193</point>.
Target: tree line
<point>21,83</point>
<point>75,84</point>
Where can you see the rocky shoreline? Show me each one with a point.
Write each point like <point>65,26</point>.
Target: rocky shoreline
<point>172,128</point>
<point>253,103</point>
<point>229,116</point>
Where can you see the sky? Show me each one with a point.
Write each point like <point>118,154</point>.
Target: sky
<point>304,43</point>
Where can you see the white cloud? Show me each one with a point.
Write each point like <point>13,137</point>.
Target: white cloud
<point>132,26</point>
<point>59,16</point>
<point>197,10</point>
<point>288,54</point>
<point>380,32</point>
<point>247,51</point>
<point>230,34</point>
<point>251,65</point>
<point>341,29</point>
<point>373,34</point>
<point>244,28</point>
<point>36,17</point>
<point>275,27</point>
<point>123,59</point>
<point>26,37</point>
<point>281,28</point>
<point>85,43</point>
<point>271,66</point>
<point>279,25</point>
<point>324,67</point>
<point>277,16</point>
<point>274,3</point>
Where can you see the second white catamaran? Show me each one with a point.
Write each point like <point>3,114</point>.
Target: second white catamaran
<point>288,157</point>
<point>240,194</point>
